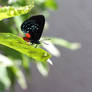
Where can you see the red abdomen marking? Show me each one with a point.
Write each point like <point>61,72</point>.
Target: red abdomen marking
<point>26,39</point>
<point>28,35</point>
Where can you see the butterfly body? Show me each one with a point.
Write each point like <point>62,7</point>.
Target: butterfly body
<point>33,28</point>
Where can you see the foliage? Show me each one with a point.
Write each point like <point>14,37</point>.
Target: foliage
<point>22,46</point>
<point>15,53</point>
<point>10,11</point>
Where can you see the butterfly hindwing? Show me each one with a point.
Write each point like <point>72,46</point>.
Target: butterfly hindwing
<point>34,26</point>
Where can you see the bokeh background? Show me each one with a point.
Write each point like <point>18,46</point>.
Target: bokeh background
<point>72,72</point>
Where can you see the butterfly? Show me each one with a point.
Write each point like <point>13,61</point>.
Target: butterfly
<point>33,28</point>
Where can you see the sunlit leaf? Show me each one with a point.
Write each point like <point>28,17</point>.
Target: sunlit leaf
<point>65,43</point>
<point>40,1</point>
<point>42,68</point>
<point>50,61</point>
<point>20,77</point>
<point>10,11</point>
<point>17,43</point>
<point>5,61</point>
<point>4,77</point>
<point>51,48</point>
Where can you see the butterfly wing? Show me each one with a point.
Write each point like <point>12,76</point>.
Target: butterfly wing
<point>34,26</point>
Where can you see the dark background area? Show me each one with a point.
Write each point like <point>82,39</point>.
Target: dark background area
<point>72,72</point>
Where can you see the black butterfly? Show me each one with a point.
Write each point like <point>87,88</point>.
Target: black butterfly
<point>33,28</point>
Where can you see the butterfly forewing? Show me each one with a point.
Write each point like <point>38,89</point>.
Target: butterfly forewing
<point>34,26</point>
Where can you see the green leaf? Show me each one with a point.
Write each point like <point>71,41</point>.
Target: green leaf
<point>26,64</point>
<point>40,1</point>
<point>17,43</point>
<point>11,76</point>
<point>42,68</point>
<point>10,11</point>
<point>20,77</point>
<point>4,77</point>
<point>51,4</point>
<point>5,61</point>
<point>2,87</point>
<point>10,53</point>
